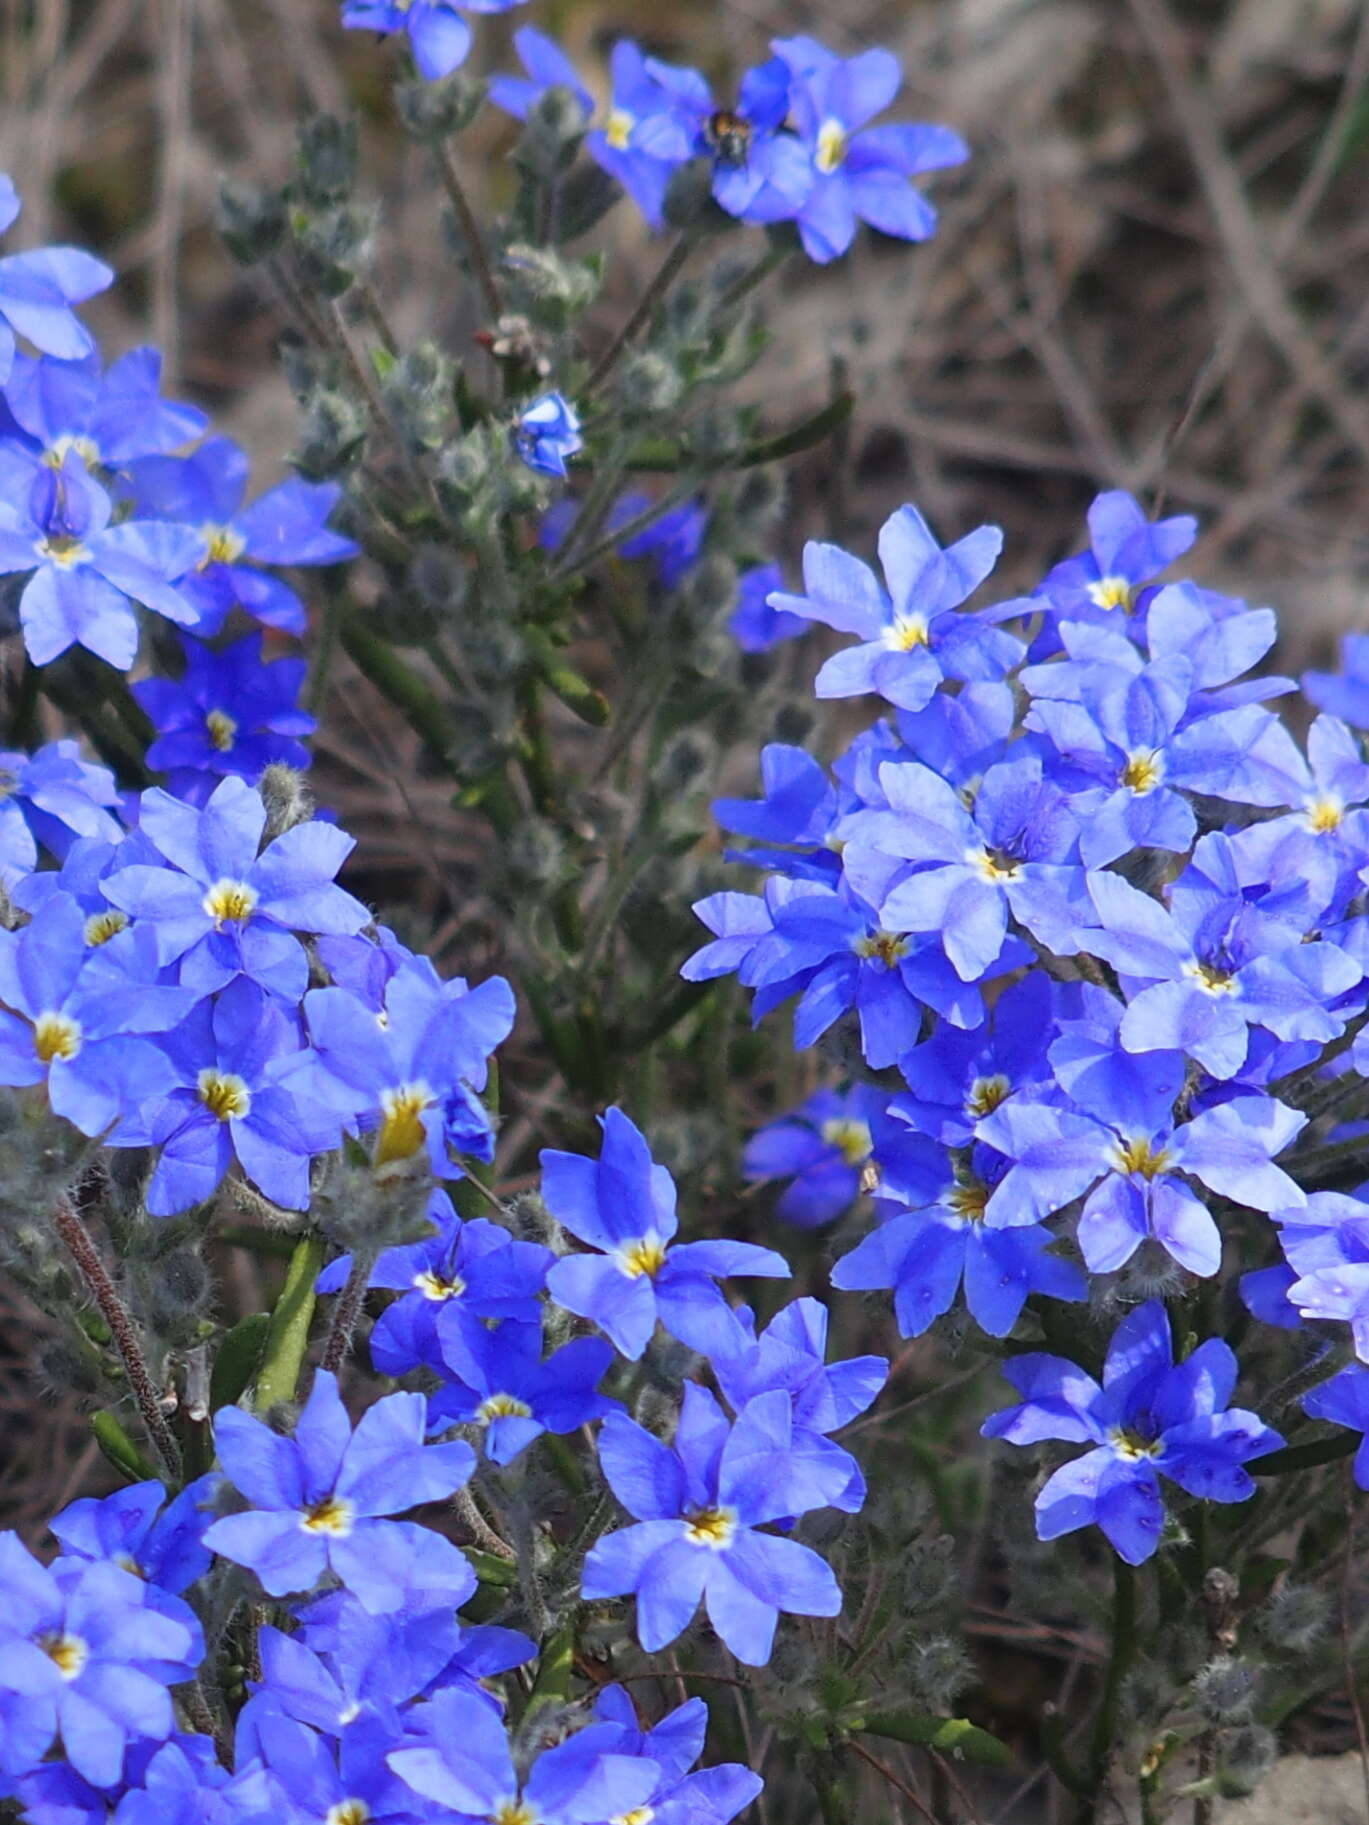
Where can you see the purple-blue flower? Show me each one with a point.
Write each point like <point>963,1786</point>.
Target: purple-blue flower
<point>623,1204</point>
<point>475,1261</point>
<point>700,1504</point>
<point>87,573</point>
<point>1344,1400</point>
<point>138,1530</point>
<point>546,433</point>
<point>52,797</point>
<point>239,1091</point>
<point>439,38</point>
<point>754,624</point>
<point>1150,1417</point>
<point>1344,693</point>
<point>228,713</point>
<point>220,905</point>
<point>1126,551</point>
<point>71,1016</point>
<point>86,1652</point>
<point>915,636</point>
<point>458,1756</point>
<point>497,1378</point>
<point>38,289</point>
<point>761,173</point>
<point>637,113</point>
<point>287,525</point>
<point>107,417</point>
<point>321,1500</point>
<point>824,1147</point>
<point>862,172</point>
<point>710,1796</point>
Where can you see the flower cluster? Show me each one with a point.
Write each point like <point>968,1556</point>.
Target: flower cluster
<point>1082,889</point>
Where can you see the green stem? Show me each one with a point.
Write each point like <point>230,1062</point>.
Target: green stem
<point>1123,1650</point>
<point>288,1336</point>
<point>666,274</point>
<point>470,230</point>
<point>409,693</point>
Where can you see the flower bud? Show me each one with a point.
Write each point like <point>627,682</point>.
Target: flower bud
<point>326,159</point>
<point>437,110</point>
<point>252,220</point>
<point>331,436</point>
<point>1224,1690</point>
<point>552,133</point>
<point>648,385</point>
<point>287,798</point>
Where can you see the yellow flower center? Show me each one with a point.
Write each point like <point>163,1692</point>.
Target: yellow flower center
<point>1143,772</point>
<point>618,129</point>
<point>831,148</point>
<point>1131,1445</point>
<point>85,447</point>
<point>224,1094</point>
<point>1324,814</point>
<point>230,903</point>
<point>887,947</point>
<point>348,1812</point>
<point>711,1527</point>
<point>331,1516</point>
<point>1141,1156</point>
<point>127,1563</point>
<point>502,1406</point>
<point>63,551</point>
<point>969,1200</point>
<point>8,785</point>
<point>100,927</point>
<point>1112,592</point>
<point>225,545</point>
<point>401,1134</point>
<point>1210,979</point>
<point>68,1653</point>
<point>56,1036</point>
<point>852,1139</point>
<point>646,1255</point>
<point>994,867</point>
<point>515,1812</point>
<point>221,729</point>
<point>907,632</point>
<point>433,1286</point>
<point>986,1093</point>
<point>640,1815</point>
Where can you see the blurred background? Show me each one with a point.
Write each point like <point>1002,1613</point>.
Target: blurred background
<point>1154,274</point>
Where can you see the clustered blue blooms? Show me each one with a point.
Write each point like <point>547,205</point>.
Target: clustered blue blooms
<point>1081,888</point>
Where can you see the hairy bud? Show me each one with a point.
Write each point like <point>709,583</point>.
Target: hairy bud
<point>252,220</point>
<point>435,111</point>
<point>326,159</point>
<point>288,800</point>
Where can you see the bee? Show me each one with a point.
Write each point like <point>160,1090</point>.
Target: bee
<point>727,136</point>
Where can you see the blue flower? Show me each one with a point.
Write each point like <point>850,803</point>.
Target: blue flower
<point>1199,975</point>
<point>37,291</point>
<point>800,809</point>
<point>319,1500</point>
<point>1012,856</point>
<point>86,1653</point>
<point>459,1756</point>
<point>439,38</point>
<point>915,637</point>
<point>87,573</point>
<point>1126,550</point>
<point>862,172</point>
<point>229,713</point>
<point>412,1078</point>
<point>52,797</point>
<point>475,1261</point>
<point>108,418</point>
<point>700,1504</point>
<point>711,1796</point>
<point>218,907</point>
<point>1129,1160</point>
<point>1327,838</point>
<point>754,624</point>
<point>824,1146</point>
<point>185,1784</point>
<point>761,173</point>
<point>286,525</point>
<point>623,1204</point>
<point>1345,1401</point>
<point>638,113</point>
<point>547,432</point>
<point>674,540</point>
<point>791,1353</point>
<point>498,1379</point>
<point>1344,693</point>
<point>239,1090</point>
<point>339,1780</point>
<point>138,1530</point>
<point>70,1016</point>
<point>957,1077</point>
<point>926,1253</point>
<point>1149,1418</point>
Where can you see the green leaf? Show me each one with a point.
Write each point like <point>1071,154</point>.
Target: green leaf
<point>1305,1457</point>
<point>287,1335</point>
<point>663,457</point>
<point>502,1573</point>
<point>119,1448</point>
<point>555,1664</point>
<point>953,1736</point>
<point>238,1360</point>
